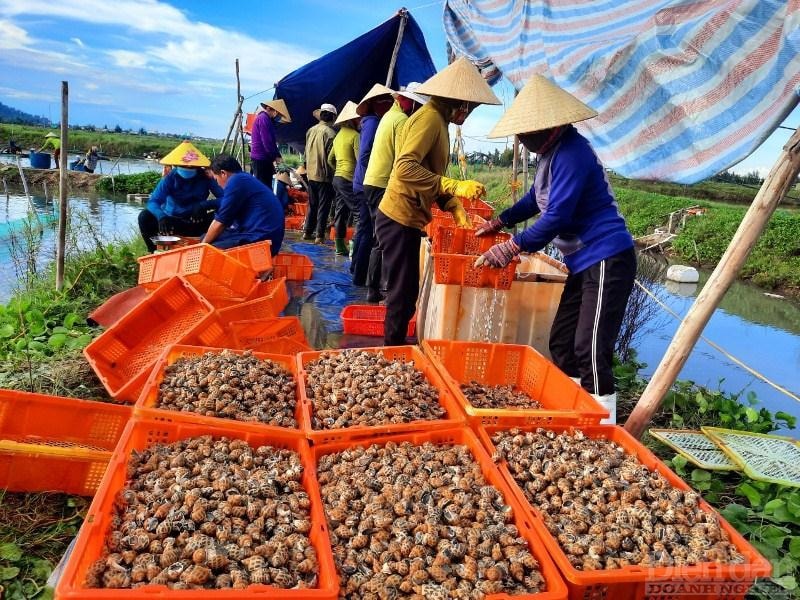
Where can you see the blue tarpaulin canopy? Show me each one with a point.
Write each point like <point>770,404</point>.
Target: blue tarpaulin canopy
<point>349,72</point>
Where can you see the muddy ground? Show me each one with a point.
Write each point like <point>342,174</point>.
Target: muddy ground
<point>77,180</point>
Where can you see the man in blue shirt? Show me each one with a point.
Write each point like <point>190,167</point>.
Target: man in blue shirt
<point>180,205</point>
<point>580,216</point>
<point>248,212</point>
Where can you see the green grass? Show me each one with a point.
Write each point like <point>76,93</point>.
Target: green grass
<point>111,144</point>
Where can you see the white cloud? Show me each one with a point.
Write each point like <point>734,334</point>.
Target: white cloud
<point>12,36</point>
<point>25,95</point>
<point>78,42</point>
<point>127,59</point>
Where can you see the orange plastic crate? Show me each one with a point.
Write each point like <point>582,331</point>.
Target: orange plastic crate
<point>457,240</point>
<point>455,416</point>
<point>213,331</point>
<point>54,444</point>
<point>705,581</point>
<point>472,207</point>
<point>294,267</point>
<point>123,354</point>
<point>272,298</point>
<point>215,274</point>
<point>299,208</point>
<point>444,218</point>
<point>257,256</point>
<point>367,319</point>
<point>556,590</point>
<point>348,235</point>
<point>564,402</point>
<point>146,404</point>
<point>258,334</point>
<point>295,222</point>
<point>460,269</point>
<point>142,433</point>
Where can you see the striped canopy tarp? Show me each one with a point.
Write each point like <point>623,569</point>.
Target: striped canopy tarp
<point>685,88</point>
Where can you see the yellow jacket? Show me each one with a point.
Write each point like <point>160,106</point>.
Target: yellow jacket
<point>421,161</point>
<point>383,148</point>
<point>319,141</point>
<point>344,152</point>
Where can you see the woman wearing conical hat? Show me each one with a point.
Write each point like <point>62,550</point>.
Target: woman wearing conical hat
<point>264,153</point>
<point>417,182</point>
<point>180,205</point>
<point>579,214</point>
<point>342,159</point>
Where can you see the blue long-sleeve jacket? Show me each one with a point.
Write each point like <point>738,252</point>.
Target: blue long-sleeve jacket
<point>579,213</point>
<point>175,196</point>
<point>263,144</point>
<point>369,126</point>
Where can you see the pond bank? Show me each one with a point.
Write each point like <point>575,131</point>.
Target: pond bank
<point>78,180</point>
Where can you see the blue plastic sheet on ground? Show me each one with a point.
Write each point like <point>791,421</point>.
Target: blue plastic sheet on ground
<point>319,301</point>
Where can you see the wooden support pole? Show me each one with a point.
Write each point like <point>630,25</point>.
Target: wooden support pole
<point>775,186</point>
<point>233,124</point>
<point>400,30</point>
<point>61,242</point>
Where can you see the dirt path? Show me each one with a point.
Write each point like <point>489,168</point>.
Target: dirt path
<point>77,180</point>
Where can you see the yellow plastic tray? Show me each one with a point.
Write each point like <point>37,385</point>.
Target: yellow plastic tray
<point>696,447</point>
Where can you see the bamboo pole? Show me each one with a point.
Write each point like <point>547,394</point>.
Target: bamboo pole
<point>775,186</point>
<point>400,30</point>
<point>62,189</point>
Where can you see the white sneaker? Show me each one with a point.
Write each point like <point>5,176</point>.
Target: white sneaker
<point>609,402</point>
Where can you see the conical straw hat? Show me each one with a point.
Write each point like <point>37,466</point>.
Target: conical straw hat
<point>185,155</point>
<point>541,105</point>
<point>50,134</point>
<point>279,105</point>
<point>284,177</point>
<point>460,80</point>
<point>348,113</point>
<point>377,90</point>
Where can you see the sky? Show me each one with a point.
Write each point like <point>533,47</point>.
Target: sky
<point>169,66</point>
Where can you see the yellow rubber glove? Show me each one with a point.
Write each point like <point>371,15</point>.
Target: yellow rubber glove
<point>468,188</point>
<point>460,215</point>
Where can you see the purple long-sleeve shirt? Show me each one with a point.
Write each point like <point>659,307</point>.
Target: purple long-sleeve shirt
<point>263,144</point>
<point>369,126</point>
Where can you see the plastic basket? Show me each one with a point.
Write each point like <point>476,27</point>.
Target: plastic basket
<point>146,404</point>
<point>367,319</point>
<point>294,267</point>
<point>705,581</point>
<point>472,207</point>
<point>215,274</point>
<point>295,223</point>
<point>402,353</point>
<point>761,456</point>
<point>556,590</point>
<point>457,240</point>
<point>460,269</point>
<point>142,433</point>
<point>564,402</point>
<point>348,235</point>
<point>299,208</point>
<point>54,444</point>
<point>268,300</point>
<point>441,218</point>
<point>213,331</point>
<point>257,334</point>
<point>123,354</point>
<point>696,447</point>
<point>257,256</point>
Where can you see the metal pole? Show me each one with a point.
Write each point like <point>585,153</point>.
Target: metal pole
<point>62,188</point>
<point>403,18</point>
<point>773,190</point>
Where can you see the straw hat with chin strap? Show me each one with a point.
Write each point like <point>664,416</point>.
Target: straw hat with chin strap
<point>460,80</point>
<point>186,155</point>
<point>280,106</point>
<point>348,113</point>
<point>375,91</point>
<point>541,105</point>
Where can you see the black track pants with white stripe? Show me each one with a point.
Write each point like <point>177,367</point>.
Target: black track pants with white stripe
<point>589,318</point>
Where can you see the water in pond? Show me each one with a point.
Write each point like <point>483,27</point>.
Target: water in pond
<point>124,166</point>
<point>761,331</point>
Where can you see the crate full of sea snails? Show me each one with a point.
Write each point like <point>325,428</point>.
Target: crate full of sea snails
<point>197,511</point>
<point>426,515</point>
<point>354,393</point>
<point>618,523</point>
<point>239,389</point>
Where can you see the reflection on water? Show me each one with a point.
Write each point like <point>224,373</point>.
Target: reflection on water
<point>122,166</point>
<point>760,331</point>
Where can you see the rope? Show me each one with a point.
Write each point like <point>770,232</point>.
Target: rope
<point>721,350</point>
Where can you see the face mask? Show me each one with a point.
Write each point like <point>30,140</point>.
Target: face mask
<point>186,173</point>
<point>278,118</point>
